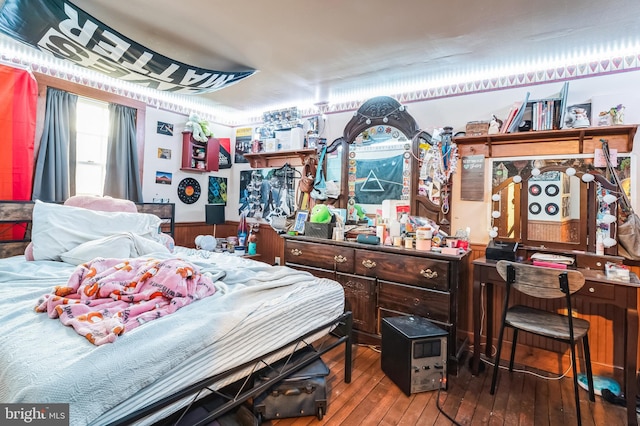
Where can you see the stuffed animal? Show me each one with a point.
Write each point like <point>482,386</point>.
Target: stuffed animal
<point>199,128</point>
<point>320,214</point>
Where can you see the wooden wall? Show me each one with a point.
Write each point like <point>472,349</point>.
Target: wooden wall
<point>270,245</point>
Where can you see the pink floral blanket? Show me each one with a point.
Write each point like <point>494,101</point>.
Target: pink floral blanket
<point>106,297</point>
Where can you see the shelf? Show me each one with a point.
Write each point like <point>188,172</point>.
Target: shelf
<point>548,142</point>
<point>191,169</point>
<point>280,158</point>
<point>196,153</point>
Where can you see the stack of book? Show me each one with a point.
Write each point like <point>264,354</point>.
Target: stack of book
<point>543,114</point>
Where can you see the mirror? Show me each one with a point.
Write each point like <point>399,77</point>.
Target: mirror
<point>379,158</point>
<point>553,208</point>
<point>373,160</point>
<point>551,203</point>
<point>379,168</point>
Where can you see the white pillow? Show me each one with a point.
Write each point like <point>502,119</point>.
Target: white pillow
<point>58,228</point>
<point>120,246</point>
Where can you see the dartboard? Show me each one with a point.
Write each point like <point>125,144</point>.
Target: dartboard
<point>189,190</point>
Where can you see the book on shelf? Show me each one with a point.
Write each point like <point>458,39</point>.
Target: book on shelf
<point>512,113</point>
<point>517,119</point>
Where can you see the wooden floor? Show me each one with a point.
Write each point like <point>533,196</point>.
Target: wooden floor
<point>521,399</point>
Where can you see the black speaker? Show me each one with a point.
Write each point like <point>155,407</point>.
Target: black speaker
<point>414,353</point>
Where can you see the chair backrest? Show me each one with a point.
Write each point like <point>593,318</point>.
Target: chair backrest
<point>538,281</point>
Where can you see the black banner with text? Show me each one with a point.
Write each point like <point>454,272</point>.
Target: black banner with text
<point>66,31</point>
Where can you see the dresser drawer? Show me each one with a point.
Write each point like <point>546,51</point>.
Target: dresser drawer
<point>319,255</point>
<point>597,290</point>
<point>429,304</point>
<point>418,271</point>
<point>360,299</point>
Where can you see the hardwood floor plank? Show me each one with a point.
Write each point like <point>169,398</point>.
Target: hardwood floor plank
<point>416,407</point>
<point>455,394</point>
<point>555,402</point>
<point>395,413</point>
<point>512,415</point>
<point>485,407</point>
<point>568,402</point>
<point>469,402</point>
<point>541,409</point>
<point>389,395</point>
<point>351,395</point>
<point>368,402</point>
<point>527,402</point>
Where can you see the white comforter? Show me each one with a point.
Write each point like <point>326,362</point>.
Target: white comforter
<point>43,361</point>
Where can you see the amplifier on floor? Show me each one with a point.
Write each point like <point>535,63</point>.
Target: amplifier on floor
<point>414,353</point>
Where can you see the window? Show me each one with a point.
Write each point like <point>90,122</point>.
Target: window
<point>91,155</point>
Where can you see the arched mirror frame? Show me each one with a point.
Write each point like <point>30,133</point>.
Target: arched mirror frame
<point>386,111</point>
<point>588,212</point>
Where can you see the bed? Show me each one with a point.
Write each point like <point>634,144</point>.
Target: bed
<point>258,314</point>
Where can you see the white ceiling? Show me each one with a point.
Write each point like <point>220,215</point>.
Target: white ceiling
<point>310,51</point>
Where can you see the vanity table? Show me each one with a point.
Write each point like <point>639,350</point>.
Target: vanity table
<point>597,290</point>
<point>382,281</point>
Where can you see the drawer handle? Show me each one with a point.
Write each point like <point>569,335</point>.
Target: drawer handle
<point>592,290</point>
<point>428,273</point>
<point>296,252</point>
<point>368,263</point>
<point>340,258</point>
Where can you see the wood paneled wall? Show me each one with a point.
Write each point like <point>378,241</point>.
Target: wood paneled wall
<point>270,244</point>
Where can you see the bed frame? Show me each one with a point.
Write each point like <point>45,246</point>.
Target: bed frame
<point>18,214</point>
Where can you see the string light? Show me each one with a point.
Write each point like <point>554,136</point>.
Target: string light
<point>588,177</point>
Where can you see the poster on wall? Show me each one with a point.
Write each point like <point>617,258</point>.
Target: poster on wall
<point>224,156</point>
<point>164,178</point>
<point>69,33</point>
<point>243,143</point>
<point>164,128</point>
<point>267,193</point>
<point>164,153</point>
<point>217,193</point>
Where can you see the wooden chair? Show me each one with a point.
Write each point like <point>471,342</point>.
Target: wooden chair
<point>546,283</point>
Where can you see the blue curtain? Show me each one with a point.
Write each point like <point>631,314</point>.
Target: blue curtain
<point>54,176</point>
<point>122,179</point>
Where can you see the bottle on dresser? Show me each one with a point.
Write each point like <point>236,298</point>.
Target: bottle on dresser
<point>243,231</point>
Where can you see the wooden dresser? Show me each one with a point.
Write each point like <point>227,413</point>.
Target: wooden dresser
<point>381,281</point>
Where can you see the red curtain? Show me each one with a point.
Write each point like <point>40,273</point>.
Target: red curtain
<point>18,100</point>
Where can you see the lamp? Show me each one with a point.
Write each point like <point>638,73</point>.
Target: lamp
<point>214,215</point>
